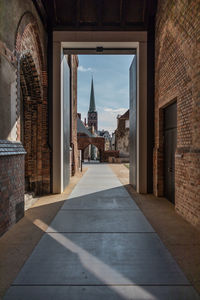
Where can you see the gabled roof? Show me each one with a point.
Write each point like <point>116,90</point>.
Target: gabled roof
<point>124,116</point>
<point>82,129</point>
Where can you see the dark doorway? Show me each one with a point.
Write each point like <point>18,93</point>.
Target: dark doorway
<point>170,141</point>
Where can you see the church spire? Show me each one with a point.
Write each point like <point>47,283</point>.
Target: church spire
<point>92,99</point>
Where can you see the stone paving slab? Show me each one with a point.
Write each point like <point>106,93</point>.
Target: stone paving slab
<point>100,221</point>
<point>99,201</point>
<point>101,293</point>
<point>103,265</point>
<point>105,184</point>
<point>96,259</point>
<point>99,192</point>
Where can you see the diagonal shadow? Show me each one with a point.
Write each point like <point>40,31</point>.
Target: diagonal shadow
<point>127,265</point>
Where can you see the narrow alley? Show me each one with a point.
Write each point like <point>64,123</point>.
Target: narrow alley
<point>116,82</point>
<point>100,246</point>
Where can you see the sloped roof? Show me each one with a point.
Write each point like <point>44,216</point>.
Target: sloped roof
<point>125,115</point>
<point>82,129</point>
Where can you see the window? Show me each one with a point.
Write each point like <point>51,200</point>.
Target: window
<point>127,124</point>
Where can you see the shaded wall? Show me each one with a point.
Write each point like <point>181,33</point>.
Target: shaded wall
<point>177,77</point>
<point>23,100</point>
<point>73,62</point>
<point>11,184</point>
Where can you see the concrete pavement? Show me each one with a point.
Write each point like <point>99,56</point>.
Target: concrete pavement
<point>100,246</point>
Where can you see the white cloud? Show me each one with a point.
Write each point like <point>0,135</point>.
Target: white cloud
<point>116,110</point>
<point>108,118</point>
<point>82,69</point>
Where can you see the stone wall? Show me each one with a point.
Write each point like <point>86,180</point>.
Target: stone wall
<point>177,77</point>
<point>122,143</point>
<point>122,135</point>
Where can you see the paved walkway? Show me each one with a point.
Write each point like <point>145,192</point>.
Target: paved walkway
<point>100,246</point>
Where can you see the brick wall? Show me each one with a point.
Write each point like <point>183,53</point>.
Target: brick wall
<point>109,154</point>
<point>84,141</point>
<point>177,77</point>
<point>74,144</point>
<point>32,106</point>
<point>11,184</point>
<point>24,107</point>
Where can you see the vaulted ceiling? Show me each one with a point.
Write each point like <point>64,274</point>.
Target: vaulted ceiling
<point>97,14</point>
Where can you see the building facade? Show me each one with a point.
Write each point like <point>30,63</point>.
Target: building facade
<point>177,107</point>
<point>122,135</point>
<point>107,137</point>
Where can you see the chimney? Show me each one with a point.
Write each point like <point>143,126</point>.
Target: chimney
<point>85,122</point>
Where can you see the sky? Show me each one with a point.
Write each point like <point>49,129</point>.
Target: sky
<point>111,87</point>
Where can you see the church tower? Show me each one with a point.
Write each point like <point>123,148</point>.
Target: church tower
<point>92,113</point>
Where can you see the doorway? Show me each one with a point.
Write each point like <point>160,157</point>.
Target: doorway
<point>85,43</point>
<point>170,142</point>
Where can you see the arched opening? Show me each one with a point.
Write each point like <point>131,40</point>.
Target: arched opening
<point>85,144</point>
<point>92,153</point>
<point>32,105</point>
<point>29,115</point>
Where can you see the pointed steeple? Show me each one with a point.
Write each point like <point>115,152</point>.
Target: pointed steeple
<point>92,99</point>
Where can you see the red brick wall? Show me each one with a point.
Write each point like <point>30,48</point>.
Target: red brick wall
<point>11,190</point>
<point>109,153</point>
<point>74,144</point>
<point>84,141</point>
<point>177,76</point>
<point>23,47</point>
<point>32,52</point>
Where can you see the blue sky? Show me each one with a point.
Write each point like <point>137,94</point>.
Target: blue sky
<point>111,86</point>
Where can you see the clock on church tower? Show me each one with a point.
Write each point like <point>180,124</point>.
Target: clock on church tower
<point>92,113</point>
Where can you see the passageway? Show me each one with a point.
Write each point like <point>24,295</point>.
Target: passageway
<point>100,246</point>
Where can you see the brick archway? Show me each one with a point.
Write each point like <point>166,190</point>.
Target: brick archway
<point>30,113</point>
<point>98,142</point>
<point>32,108</point>
<point>84,141</point>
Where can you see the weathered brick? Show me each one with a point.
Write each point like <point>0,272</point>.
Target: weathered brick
<point>177,56</point>
<point>11,194</point>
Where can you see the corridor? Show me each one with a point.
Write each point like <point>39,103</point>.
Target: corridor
<point>100,246</point>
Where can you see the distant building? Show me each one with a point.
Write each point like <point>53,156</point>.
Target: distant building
<point>92,124</point>
<point>83,130</point>
<point>113,141</point>
<point>106,135</point>
<point>89,129</point>
<point>121,135</point>
<point>92,113</point>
